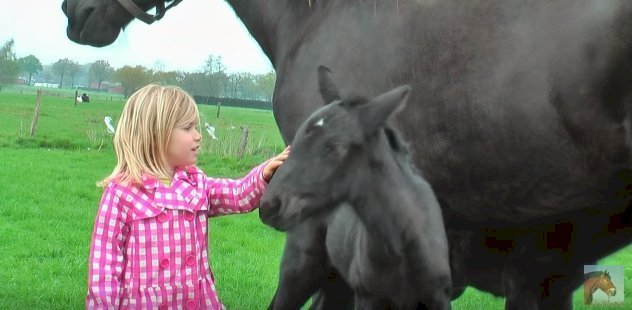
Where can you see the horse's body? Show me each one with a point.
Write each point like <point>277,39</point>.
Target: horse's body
<point>597,280</point>
<point>520,117</point>
<point>350,199</point>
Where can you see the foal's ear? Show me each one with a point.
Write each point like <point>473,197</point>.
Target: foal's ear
<point>326,85</point>
<point>374,114</point>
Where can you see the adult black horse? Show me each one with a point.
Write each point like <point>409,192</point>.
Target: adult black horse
<point>520,116</point>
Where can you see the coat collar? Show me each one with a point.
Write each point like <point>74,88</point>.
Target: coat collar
<point>186,174</point>
<point>187,188</point>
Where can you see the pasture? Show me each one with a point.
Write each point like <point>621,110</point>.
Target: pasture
<point>48,199</point>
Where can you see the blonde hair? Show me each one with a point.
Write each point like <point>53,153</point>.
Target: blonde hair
<point>144,131</point>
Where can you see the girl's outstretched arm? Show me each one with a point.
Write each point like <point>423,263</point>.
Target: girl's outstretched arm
<point>228,196</point>
<point>107,253</point>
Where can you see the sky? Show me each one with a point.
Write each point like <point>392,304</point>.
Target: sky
<point>182,40</point>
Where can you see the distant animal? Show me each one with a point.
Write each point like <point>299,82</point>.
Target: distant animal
<point>108,124</point>
<point>211,130</point>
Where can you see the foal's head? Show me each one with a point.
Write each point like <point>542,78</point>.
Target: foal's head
<point>333,153</point>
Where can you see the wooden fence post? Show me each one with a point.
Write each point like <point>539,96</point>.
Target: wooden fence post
<point>36,114</point>
<point>76,95</point>
<point>243,142</point>
<point>219,105</point>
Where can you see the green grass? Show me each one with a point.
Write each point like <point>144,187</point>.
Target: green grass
<point>48,201</point>
<point>47,212</point>
<point>61,92</point>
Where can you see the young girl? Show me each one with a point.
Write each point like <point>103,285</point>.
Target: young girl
<point>149,245</point>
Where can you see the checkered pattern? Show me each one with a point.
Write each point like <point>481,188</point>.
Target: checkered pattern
<point>149,246</point>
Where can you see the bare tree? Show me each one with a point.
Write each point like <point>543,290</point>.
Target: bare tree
<point>100,71</point>
<point>60,68</point>
<point>72,70</point>
<point>214,69</point>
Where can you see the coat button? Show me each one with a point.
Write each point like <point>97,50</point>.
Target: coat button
<point>163,217</point>
<point>189,216</point>
<point>164,263</point>
<point>190,260</point>
<point>191,304</point>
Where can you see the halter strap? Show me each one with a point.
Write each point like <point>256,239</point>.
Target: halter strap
<point>137,12</point>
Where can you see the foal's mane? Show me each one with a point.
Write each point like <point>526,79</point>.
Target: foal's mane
<point>400,148</point>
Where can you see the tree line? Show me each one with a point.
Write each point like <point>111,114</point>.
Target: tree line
<point>211,80</point>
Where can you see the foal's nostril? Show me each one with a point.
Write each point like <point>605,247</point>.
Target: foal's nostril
<point>269,208</point>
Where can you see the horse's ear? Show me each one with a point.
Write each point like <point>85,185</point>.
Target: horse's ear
<point>326,85</point>
<point>377,111</point>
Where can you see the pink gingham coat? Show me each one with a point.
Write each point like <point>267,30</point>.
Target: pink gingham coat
<point>149,246</point>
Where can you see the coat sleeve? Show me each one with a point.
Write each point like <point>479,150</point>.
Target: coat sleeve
<point>228,196</point>
<point>107,252</point>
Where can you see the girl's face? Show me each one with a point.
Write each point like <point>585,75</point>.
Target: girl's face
<point>184,145</point>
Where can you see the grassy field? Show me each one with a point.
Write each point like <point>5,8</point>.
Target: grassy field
<point>48,201</point>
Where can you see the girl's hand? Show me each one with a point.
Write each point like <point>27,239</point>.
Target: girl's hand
<point>274,164</point>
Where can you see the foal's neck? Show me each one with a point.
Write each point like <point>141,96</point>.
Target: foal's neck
<point>391,204</point>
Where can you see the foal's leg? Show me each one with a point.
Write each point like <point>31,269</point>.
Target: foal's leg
<point>559,286</point>
<point>335,294</point>
<point>302,267</point>
<point>374,303</point>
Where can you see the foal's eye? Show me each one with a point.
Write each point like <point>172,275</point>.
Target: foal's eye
<point>333,149</point>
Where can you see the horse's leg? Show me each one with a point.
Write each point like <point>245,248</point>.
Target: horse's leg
<point>302,267</point>
<point>559,286</point>
<point>335,293</point>
<point>519,290</point>
<point>373,303</point>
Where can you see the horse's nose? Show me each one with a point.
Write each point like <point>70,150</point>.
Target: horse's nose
<point>64,8</point>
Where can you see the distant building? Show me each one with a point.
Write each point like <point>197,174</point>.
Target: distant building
<point>21,81</point>
<point>106,86</point>
<point>47,85</point>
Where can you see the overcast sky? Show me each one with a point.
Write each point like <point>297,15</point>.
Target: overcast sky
<point>182,40</point>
